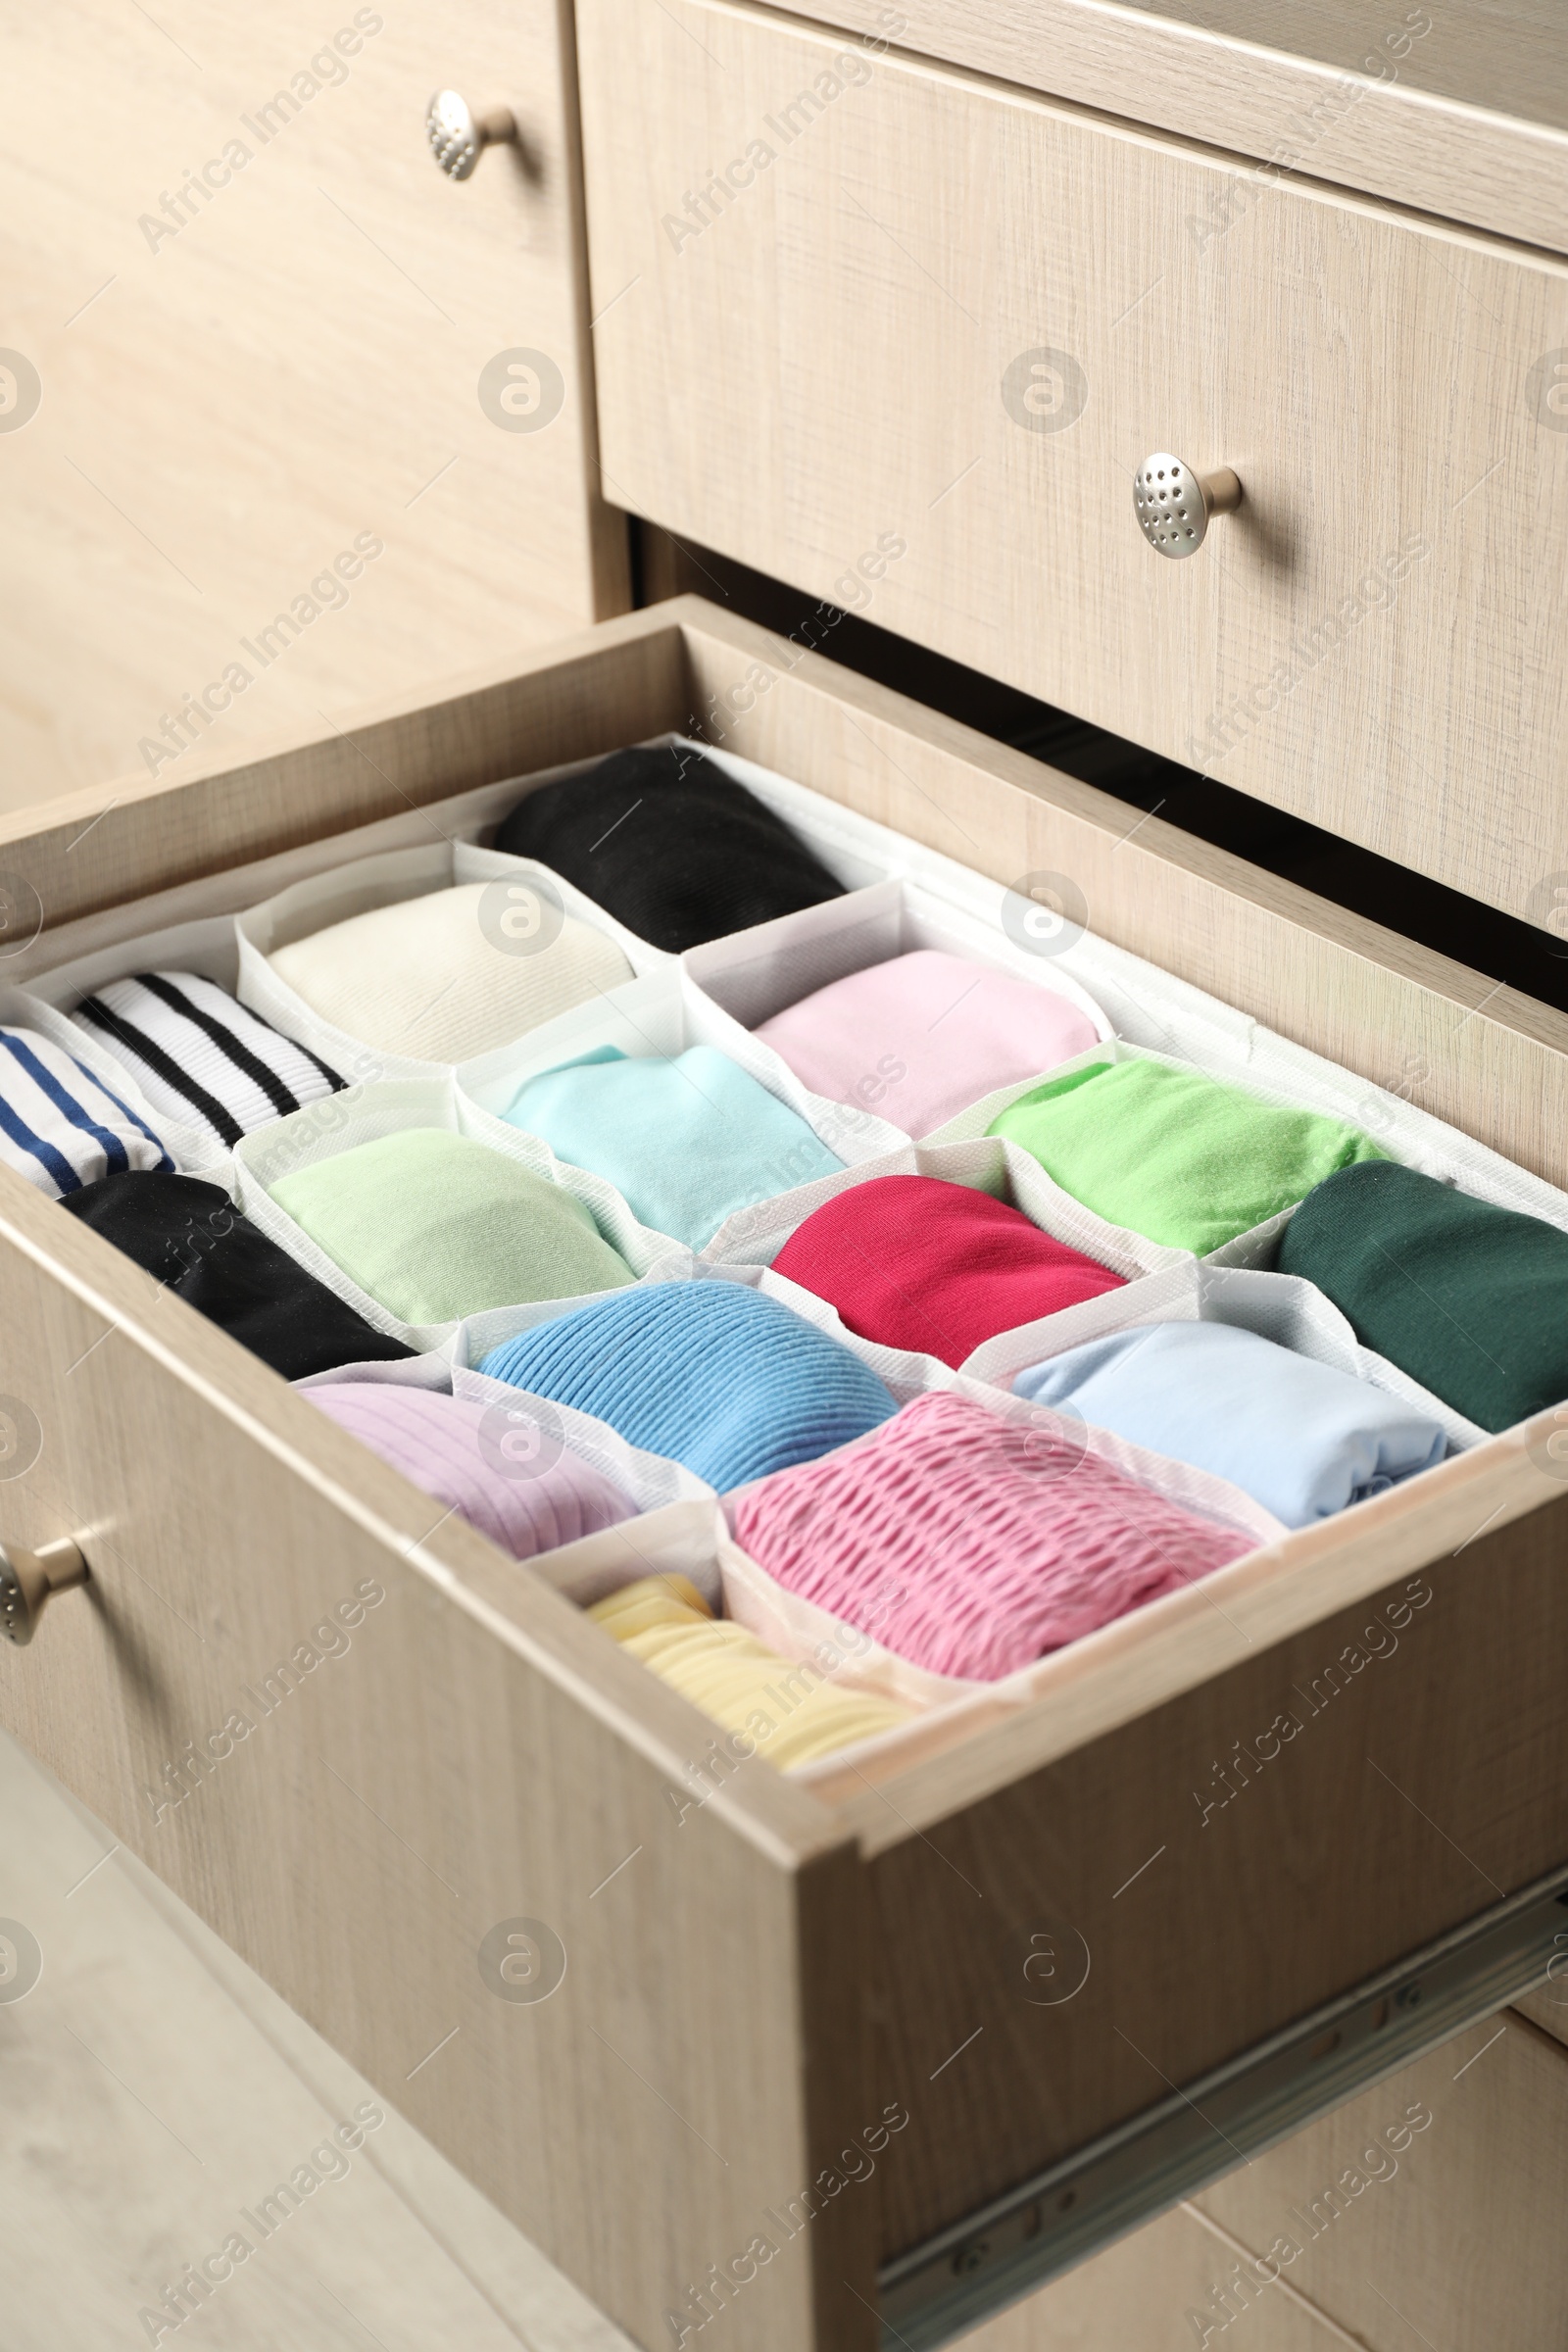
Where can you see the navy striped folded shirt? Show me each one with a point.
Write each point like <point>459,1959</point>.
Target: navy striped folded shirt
<point>60,1126</point>
<point>199,1056</point>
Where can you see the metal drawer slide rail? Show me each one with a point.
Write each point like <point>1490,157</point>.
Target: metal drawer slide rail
<point>965,2273</point>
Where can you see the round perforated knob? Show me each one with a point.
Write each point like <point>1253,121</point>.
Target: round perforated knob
<point>459,136</point>
<point>1174,502</point>
<point>30,1580</point>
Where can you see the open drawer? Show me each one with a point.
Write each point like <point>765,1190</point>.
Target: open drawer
<point>787,2059</point>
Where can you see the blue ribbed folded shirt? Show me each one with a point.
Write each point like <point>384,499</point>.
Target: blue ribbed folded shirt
<point>1299,1437</point>
<point>711,1374</point>
<point>686,1140</point>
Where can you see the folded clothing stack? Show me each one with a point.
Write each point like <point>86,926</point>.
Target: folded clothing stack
<point>453,1448</point>
<point>1299,1437</point>
<point>199,1055</point>
<point>192,1239</point>
<point>791,1713</point>
<point>970,1544</point>
<point>935,1032</point>
<point>440,978</point>
<point>1175,1155</point>
<point>1468,1298</point>
<point>669,845</point>
<point>60,1126</point>
<point>687,1140</point>
<point>936,1269</point>
<point>713,1374</point>
<point>435,1226</point>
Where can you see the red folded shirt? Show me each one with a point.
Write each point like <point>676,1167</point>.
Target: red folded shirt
<point>936,1269</point>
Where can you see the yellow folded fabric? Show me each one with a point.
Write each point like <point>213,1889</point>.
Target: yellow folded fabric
<point>793,1713</point>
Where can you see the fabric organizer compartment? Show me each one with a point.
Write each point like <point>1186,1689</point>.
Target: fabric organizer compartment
<point>1282,1307</point>
<point>793,1627</point>
<point>758,976</point>
<point>192,1152</point>
<point>1150,1009</point>
<point>523,915</point>
<point>664,1014</point>
<point>944,1708</point>
<point>990,1165</point>
<point>366,1114</point>
<point>671,1522</point>
<point>207,950</point>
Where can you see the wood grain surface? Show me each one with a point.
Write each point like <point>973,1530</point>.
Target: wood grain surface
<point>1459,110</point>
<point>285,361</point>
<point>932,326</point>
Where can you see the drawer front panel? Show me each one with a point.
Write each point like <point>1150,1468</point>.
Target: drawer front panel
<point>931,326</point>
<point>313,344</point>
<point>1247,1851</point>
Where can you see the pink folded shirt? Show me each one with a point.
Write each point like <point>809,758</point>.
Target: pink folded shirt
<point>972,1545</point>
<point>923,1036</point>
<point>936,1269</point>
<point>527,1496</point>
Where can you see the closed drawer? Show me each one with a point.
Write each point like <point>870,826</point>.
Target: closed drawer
<point>784,1986</point>
<point>932,326</point>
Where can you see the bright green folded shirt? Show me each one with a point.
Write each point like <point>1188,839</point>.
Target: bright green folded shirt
<point>436,1226</point>
<point>1470,1300</point>
<point>1173,1154</point>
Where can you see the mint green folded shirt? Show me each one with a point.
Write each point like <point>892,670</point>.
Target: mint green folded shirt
<point>1173,1154</point>
<point>436,1226</point>
<point>688,1141</point>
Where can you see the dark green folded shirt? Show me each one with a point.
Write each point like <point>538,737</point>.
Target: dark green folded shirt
<point>1470,1300</point>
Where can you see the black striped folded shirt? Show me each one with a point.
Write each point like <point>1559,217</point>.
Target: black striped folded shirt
<point>198,1055</point>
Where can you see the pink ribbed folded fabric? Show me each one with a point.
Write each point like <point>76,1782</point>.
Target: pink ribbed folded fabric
<point>922,1037</point>
<point>971,1545</point>
<point>456,1450</point>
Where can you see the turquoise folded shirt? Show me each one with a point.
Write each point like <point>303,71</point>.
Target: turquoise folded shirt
<point>687,1140</point>
<point>1302,1438</point>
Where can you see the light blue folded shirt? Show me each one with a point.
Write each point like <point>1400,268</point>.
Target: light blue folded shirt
<point>1300,1438</point>
<point>686,1140</point>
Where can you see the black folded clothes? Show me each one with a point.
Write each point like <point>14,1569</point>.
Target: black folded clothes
<point>190,1237</point>
<point>668,845</point>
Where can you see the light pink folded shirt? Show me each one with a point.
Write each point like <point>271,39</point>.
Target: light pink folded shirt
<point>526,1500</point>
<point>923,1036</point>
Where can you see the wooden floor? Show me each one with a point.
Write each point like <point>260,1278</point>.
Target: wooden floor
<point>151,2088</point>
<point>153,2092</point>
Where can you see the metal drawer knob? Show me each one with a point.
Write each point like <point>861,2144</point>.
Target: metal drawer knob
<point>1174,502</point>
<point>459,136</point>
<point>30,1580</point>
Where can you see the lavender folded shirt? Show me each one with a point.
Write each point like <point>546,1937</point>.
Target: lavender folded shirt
<point>923,1036</point>
<point>517,1484</point>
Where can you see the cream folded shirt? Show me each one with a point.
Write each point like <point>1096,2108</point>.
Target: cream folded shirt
<point>425,978</point>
